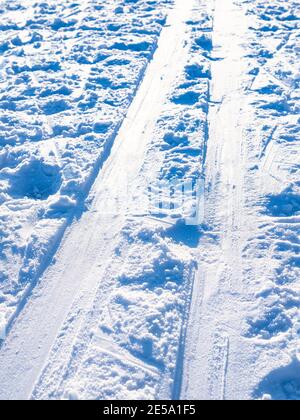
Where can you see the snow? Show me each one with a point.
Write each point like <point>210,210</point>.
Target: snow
<point>141,307</point>
<point>276,89</point>
<point>2,326</point>
<point>68,74</point>
<point>110,114</point>
<point>251,207</point>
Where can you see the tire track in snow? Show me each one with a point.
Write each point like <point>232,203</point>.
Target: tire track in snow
<point>74,276</point>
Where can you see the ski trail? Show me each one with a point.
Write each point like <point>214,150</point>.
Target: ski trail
<point>87,247</point>
<point>213,349</point>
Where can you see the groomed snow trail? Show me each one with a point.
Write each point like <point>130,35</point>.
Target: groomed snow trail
<point>74,275</point>
<point>217,367</point>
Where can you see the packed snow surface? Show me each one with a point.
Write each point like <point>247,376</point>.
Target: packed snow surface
<point>110,286</point>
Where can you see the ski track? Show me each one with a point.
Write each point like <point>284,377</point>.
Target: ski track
<point>217,358</point>
<point>74,274</point>
<point>210,344</point>
<point>220,360</point>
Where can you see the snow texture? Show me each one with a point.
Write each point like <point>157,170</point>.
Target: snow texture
<point>68,74</point>
<point>150,308</point>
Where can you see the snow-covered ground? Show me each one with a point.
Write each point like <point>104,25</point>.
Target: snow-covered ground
<point>245,343</point>
<point>109,287</point>
<point>68,74</point>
